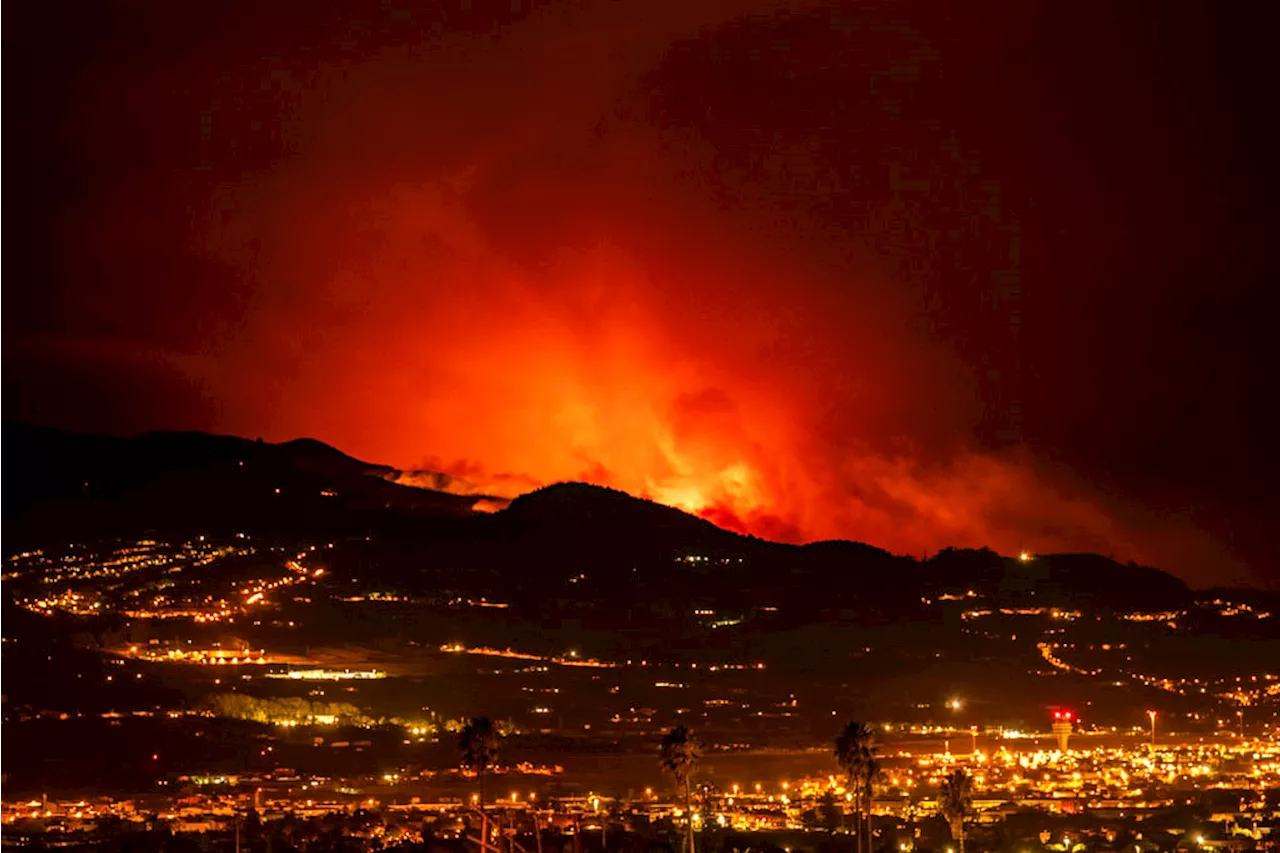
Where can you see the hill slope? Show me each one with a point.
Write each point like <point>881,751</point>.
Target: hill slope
<point>62,484</point>
<point>59,486</point>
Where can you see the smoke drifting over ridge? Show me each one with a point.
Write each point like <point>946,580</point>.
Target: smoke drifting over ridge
<point>702,254</point>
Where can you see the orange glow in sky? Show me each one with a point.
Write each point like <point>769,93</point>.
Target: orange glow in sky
<point>547,275</point>
<point>530,292</point>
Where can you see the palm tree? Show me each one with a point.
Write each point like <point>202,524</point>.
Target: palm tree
<point>955,800</point>
<point>868,776</point>
<point>679,754</point>
<point>855,754</point>
<point>479,742</point>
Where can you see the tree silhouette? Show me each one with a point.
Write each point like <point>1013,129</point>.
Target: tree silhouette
<point>855,752</point>
<point>955,800</point>
<point>479,742</point>
<point>679,754</point>
<point>828,813</point>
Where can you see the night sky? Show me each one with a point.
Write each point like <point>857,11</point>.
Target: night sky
<point>912,273</point>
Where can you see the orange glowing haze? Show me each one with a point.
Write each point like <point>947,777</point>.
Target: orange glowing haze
<point>543,276</point>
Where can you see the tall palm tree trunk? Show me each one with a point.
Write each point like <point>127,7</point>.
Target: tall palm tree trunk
<point>957,832</point>
<point>688,812</point>
<point>484,818</point>
<point>870,848</point>
<point>857,828</point>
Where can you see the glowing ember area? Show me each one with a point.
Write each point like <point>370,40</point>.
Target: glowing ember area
<point>523,295</point>
<point>603,368</point>
<point>628,276</point>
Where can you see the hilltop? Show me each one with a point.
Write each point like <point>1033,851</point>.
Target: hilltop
<point>628,550</point>
<point>59,484</point>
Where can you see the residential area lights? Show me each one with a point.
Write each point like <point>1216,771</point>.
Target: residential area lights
<point>1055,784</point>
<point>122,579</point>
<point>573,658</point>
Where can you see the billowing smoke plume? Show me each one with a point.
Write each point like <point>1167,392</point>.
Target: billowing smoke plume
<point>540,254</point>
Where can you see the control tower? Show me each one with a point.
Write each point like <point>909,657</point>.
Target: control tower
<point>1062,729</point>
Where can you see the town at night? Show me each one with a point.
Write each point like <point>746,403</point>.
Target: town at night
<point>723,426</point>
<point>201,689</point>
